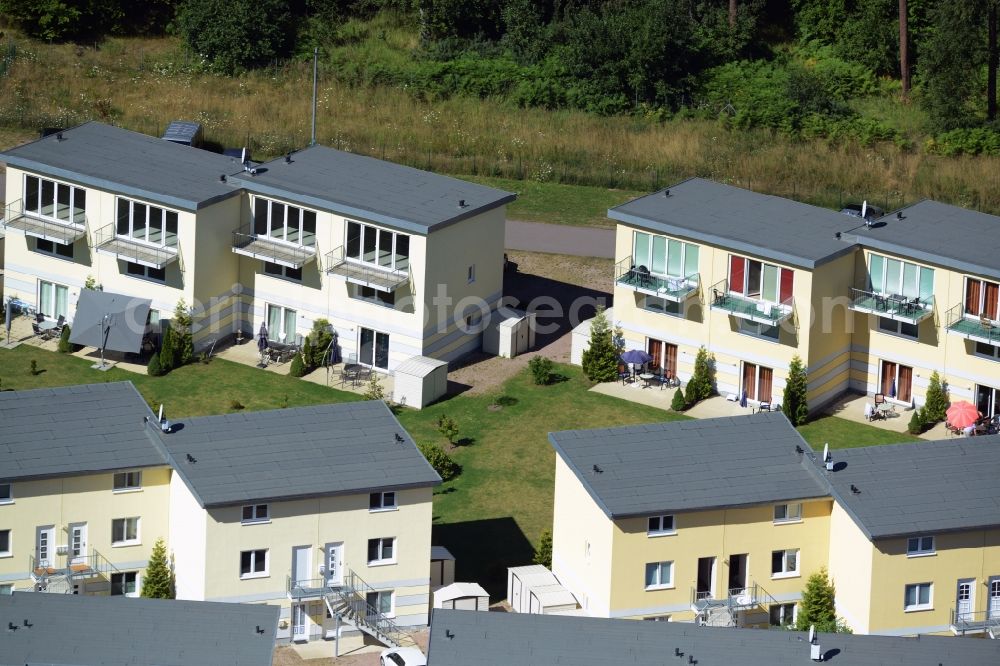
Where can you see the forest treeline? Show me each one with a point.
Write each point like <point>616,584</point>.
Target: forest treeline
<point>796,66</point>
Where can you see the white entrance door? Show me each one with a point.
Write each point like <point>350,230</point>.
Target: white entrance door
<point>78,543</point>
<point>965,602</point>
<point>994,597</point>
<point>301,565</point>
<point>300,623</point>
<point>45,547</point>
<point>334,564</point>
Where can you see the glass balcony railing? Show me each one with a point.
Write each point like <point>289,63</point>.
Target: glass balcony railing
<point>748,307</point>
<point>639,278</point>
<point>897,307</point>
<point>980,329</point>
<point>250,244</point>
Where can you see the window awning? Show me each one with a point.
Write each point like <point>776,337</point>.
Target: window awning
<point>114,322</point>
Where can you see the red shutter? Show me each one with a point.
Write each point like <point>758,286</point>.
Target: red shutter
<point>787,280</point>
<point>737,267</point>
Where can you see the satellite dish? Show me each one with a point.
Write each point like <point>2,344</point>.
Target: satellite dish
<point>864,209</point>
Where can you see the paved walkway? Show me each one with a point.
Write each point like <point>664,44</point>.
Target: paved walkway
<point>560,239</point>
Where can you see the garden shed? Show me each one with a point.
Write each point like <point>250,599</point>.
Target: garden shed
<point>535,589</point>
<point>419,381</point>
<point>509,333</point>
<point>442,567</point>
<point>462,596</point>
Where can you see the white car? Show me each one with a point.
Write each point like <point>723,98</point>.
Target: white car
<point>402,656</point>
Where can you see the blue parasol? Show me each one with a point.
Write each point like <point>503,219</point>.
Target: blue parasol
<point>636,357</point>
<point>743,399</point>
<point>892,389</point>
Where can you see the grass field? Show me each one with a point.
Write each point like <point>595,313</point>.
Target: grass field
<point>582,205</point>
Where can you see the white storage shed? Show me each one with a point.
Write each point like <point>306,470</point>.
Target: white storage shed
<point>419,381</point>
<point>462,596</point>
<point>535,589</point>
<point>580,339</point>
<point>510,332</point>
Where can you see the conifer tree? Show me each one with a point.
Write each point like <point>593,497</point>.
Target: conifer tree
<point>936,400</point>
<point>600,359</point>
<point>793,401</point>
<point>158,583</point>
<point>817,607</point>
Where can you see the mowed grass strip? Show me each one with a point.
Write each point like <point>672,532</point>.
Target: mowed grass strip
<point>843,434</point>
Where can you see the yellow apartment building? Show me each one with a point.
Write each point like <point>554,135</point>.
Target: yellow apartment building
<point>757,279</point>
<point>721,521</point>
<point>400,261</point>
<point>322,511</point>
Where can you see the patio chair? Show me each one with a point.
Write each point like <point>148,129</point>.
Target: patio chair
<point>879,399</point>
<point>985,323</point>
<point>645,279</point>
<point>624,374</point>
<point>37,331</point>
<point>39,317</point>
<point>364,375</point>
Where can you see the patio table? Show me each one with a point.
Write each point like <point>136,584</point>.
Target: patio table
<point>647,379</point>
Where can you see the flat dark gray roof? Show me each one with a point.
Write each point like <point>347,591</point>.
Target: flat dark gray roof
<point>358,186</point>
<point>937,233</point>
<point>920,488</point>
<point>763,225</point>
<point>129,163</point>
<point>691,465</point>
<point>461,638</point>
<point>300,452</point>
<point>74,430</point>
<point>84,630</point>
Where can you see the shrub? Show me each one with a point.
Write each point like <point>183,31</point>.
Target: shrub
<point>543,554</point>
<point>34,368</point>
<point>918,422</point>
<point>320,338</point>
<point>375,390</point>
<point>442,463</point>
<point>307,353</point>
<point>154,369</point>
<point>298,367</point>
<point>234,35</point>
<point>158,581</point>
<point>600,359</point>
<point>448,427</point>
<point>236,405</point>
<point>678,404</point>
<point>168,350</point>
<point>64,344</point>
<point>817,606</point>
<point>541,370</point>
<point>183,337</point>
<point>702,382</point>
<point>793,400</point>
<point>936,400</point>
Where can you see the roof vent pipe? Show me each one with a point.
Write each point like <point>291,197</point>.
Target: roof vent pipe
<point>827,457</point>
<point>222,177</point>
<point>59,136</point>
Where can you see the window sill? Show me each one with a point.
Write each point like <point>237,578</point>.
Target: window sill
<point>654,535</point>
<point>918,609</point>
<point>254,576</point>
<point>790,521</point>
<point>6,501</point>
<point>789,574</point>
<point>262,521</point>
<point>653,588</point>
<point>4,556</point>
<point>125,544</point>
<point>381,563</point>
<point>384,509</point>
<point>122,491</point>
<point>927,554</point>
<point>143,278</point>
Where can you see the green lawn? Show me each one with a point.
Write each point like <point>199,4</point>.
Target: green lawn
<point>580,205</point>
<point>844,434</point>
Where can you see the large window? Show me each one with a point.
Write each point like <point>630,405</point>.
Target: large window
<point>148,224</point>
<point>892,277</point>
<point>280,221</point>
<point>372,295</point>
<point>982,298</point>
<point>379,602</point>
<point>373,348</point>
<point>379,247</point>
<point>53,299</point>
<point>758,382</point>
<point>918,597</point>
<point>758,330</point>
<point>659,575</point>
<point>784,563</point>
<point>382,551</point>
<point>897,381</point>
<point>664,256</point>
<point>281,323</point>
<point>760,281</point>
<point>901,328</point>
<point>662,306</point>
<point>253,563</point>
<point>58,201</point>
<point>125,584</point>
<point>987,401</point>
<point>124,531</point>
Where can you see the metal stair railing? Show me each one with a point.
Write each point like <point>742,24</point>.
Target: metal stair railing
<point>352,598</point>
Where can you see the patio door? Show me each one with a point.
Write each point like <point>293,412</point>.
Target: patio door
<point>757,382</point>
<point>965,601</point>
<point>706,578</point>
<point>45,537</point>
<point>78,543</point>
<point>281,324</point>
<point>334,564</point>
<point>373,349</point>
<point>301,565</point>
<point>988,400</point>
<point>52,299</point>
<point>664,356</point>
<point>738,579</point>
<point>896,381</point>
<point>994,607</point>
<point>300,623</point>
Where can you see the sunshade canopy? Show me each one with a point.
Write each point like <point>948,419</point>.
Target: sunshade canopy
<point>113,321</point>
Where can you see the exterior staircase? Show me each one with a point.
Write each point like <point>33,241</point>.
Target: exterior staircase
<point>350,602</point>
<point>61,578</point>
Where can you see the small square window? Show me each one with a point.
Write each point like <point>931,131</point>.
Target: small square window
<point>787,513</point>
<point>923,545</point>
<point>255,513</point>
<point>784,563</point>
<point>382,550</point>
<point>253,563</point>
<point>918,597</point>
<point>4,543</point>
<point>380,602</point>
<point>382,501</point>
<point>6,493</point>
<point>128,480</point>
<point>781,615</point>
<point>660,525</point>
<point>124,531</point>
<point>659,575</point>
<point>125,584</point>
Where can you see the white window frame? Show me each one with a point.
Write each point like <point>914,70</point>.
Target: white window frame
<point>9,552</point>
<point>164,215</point>
<point>158,275</point>
<point>379,594</point>
<point>783,606</point>
<point>755,329</point>
<point>916,546</point>
<point>55,286</point>
<point>884,289</point>
<point>394,265</point>
<point>131,481</point>
<point>256,515</point>
<point>982,297</point>
<point>746,280</point>
<point>137,540</point>
<point>659,584</point>
<point>659,522</point>
<point>647,261</point>
<point>895,379</point>
<point>381,504</point>
<point>918,606</point>
<point>290,336</point>
<point>994,355</point>
<point>7,498</point>
<point>898,326</point>
<point>381,559</point>
<point>57,185</point>
<point>52,249</point>
<point>792,513</point>
<point>385,299</point>
<point>283,238</point>
<point>659,305</point>
<point>280,272</point>
<point>264,573</point>
<point>138,584</point>
<point>785,571</point>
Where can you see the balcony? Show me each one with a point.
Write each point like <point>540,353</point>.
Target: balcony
<point>976,623</point>
<point>107,241</point>
<point>639,279</point>
<point>309,588</point>
<point>60,573</point>
<point>979,329</point>
<point>895,307</point>
<point>749,308</point>
<point>250,244</point>
<point>62,232</point>
<point>367,275</point>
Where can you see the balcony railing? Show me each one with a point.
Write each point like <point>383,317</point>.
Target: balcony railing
<point>976,622</point>
<point>250,244</point>
<point>368,275</point>
<point>107,241</point>
<point>899,308</point>
<point>56,231</point>
<point>308,588</point>
<point>70,567</point>
<point>979,329</point>
<point>746,307</point>
<point>638,278</point>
